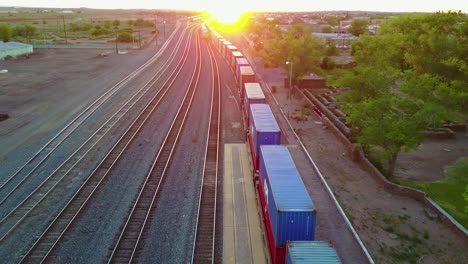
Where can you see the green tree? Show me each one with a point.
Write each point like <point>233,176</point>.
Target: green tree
<point>424,43</point>
<point>380,117</point>
<point>358,27</point>
<point>5,32</point>
<point>125,37</point>
<point>333,21</point>
<point>298,46</point>
<point>26,30</point>
<point>327,29</point>
<point>465,196</point>
<point>385,122</point>
<point>116,23</point>
<point>332,50</point>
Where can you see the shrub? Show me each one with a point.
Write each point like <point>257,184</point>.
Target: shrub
<point>5,32</point>
<point>125,37</point>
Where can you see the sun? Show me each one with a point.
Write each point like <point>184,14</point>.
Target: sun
<point>226,13</point>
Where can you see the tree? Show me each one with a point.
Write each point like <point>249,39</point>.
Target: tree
<point>26,30</point>
<point>424,43</point>
<point>327,29</point>
<point>333,21</point>
<point>465,196</point>
<point>125,37</point>
<point>297,45</point>
<point>358,27</point>
<point>386,117</point>
<point>332,50</point>
<point>383,122</point>
<point>5,32</point>
<point>116,23</point>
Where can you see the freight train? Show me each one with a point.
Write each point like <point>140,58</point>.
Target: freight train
<point>288,211</point>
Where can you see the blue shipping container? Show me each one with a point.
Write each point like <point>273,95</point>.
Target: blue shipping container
<point>311,252</point>
<point>290,208</point>
<point>240,62</point>
<point>263,127</point>
<point>253,94</point>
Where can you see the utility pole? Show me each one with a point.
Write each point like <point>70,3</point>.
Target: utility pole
<point>290,63</point>
<point>139,38</point>
<point>64,29</point>
<point>116,43</point>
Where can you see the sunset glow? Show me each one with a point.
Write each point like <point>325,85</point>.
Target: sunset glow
<point>229,7</point>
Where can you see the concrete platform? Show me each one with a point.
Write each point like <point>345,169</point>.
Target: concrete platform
<point>243,239</point>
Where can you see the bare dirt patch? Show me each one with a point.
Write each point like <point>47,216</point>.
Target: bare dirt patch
<point>428,162</point>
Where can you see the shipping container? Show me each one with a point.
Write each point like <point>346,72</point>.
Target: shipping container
<point>311,252</point>
<point>224,48</point>
<point>240,62</point>
<point>263,130</point>
<point>246,75</point>
<point>235,55</point>
<point>253,95</point>
<point>228,55</point>
<point>288,210</point>
<point>221,44</point>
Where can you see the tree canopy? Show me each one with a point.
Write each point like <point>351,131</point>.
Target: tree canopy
<point>5,32</point>
<point>358,27</point>
<point>412,75</point>
<point>298,46</point>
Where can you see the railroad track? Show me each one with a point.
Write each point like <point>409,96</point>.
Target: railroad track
<point>127,245</point>
<point>11,183</point>
<point>69,168</point>
<point>204,241</point>
<point>47,241</point>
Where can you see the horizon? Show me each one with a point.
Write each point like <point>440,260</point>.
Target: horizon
<point>396,6</point>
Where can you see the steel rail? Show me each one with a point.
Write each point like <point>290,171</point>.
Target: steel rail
<point>49,239</point>
<point>48,148</point>
<point>42,191</point>
<point>204,241</point>
<point>140,214</point>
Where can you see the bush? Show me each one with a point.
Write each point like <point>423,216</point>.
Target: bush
<point>125,37</point>
<point>5,32</point>
<point>273,89</point>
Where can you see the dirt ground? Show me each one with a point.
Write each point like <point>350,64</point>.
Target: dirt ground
<point>429,161</point>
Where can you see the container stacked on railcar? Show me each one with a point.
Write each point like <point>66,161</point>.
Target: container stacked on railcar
<point>263,130</point>
<point>235,55</point>
<point>229,50</point>
<point>253,95</point>
<point>288,211</point>
<point>240,62</point>
<point>247,75</point>
<point>298,252</point>
<point>287,208</point>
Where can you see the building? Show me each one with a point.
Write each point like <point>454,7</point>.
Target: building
<point>340,40</point>
<point>14,49</point>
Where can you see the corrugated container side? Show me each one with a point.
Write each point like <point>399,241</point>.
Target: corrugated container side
<point>234,56</point>
<point>247,75</point>
<point>263,128</point>
<point>313,252</point>
<point>290,209</point>
<point>240,62</point>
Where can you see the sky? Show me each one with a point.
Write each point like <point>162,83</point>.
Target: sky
<point>254,5</point>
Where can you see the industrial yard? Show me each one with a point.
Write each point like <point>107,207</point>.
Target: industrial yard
<point>141,154</point>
